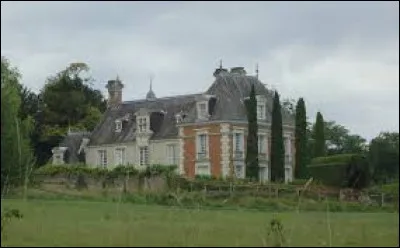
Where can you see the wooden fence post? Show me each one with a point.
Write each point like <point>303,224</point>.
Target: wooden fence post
<point>382,199</point>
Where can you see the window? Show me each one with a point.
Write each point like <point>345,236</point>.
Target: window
<point>202,146</point>
<point>144,156</point>
<point>171,153</point>
<point>142,124</point>
<point>261,111</point>
<point>261,144</point>
<point>118,126</point>
<point>120,156</point>
<point>238,145</point>
<point>202,108</point>
<point>102,158</point>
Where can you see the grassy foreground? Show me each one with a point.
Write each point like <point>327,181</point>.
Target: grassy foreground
<point>84,223</point>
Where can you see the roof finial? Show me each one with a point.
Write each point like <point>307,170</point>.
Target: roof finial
<point>118,80</point>
<point>257,70</point>
<point>220,64</point>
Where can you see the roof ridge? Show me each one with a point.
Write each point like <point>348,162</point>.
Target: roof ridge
<point>161,98</point>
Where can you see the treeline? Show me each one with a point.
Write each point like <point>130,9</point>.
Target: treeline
<point>33,123</point>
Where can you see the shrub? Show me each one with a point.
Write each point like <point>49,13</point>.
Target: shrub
<point>345,170</point>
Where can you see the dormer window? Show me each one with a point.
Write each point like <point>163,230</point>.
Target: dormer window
<point>261,111</point>
<point>261,107</point>
<point>142,124</point>
<point>118,126</point>
<point>202,110</point>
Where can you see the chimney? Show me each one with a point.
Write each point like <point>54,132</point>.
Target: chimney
<point>114,92</point>
<point>238,70</point>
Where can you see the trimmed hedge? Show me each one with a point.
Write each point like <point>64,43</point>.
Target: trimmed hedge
<point>344,170</point>
<point>119,171</point>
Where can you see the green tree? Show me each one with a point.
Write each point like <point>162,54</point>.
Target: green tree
<point>68,101</point>
<point>301,140</point>
<point>384,157</point>
<point>252,166</point>
<point>340,141</point>
<point>319,136</point>
<point>16,154</point>
<point>277,147</point>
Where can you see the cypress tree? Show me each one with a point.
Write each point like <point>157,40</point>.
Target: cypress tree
<point>252,137</point>
<point>277,147</point>
<point>301,140</point>
<point>319,136</point>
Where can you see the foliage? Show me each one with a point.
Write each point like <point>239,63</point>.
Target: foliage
<point>319,136</point>
<point>119,171</point>
<point>391,189</point>
<point>252,165</point>
<point>339,140</point>
<point>276,233</point>
<point>6,216</point>
<point>277,148</point>
<point>67,100</point>
<point>384,157</point>
<point>301,140</point>
<point>346,170</point>
<point>16,154</point>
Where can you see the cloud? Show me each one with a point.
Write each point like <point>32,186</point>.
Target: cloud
<point>342,57</point>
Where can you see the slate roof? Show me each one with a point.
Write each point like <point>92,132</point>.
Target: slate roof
<point>229,90</point>
<point>73,141</point>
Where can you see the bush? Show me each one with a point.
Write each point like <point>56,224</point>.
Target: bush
<point>345,170</point>
<point>119,171</point>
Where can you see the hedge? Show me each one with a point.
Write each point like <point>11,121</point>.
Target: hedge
<point>80,169</point>
<point>344,170</point>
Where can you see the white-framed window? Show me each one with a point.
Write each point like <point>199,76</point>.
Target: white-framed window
<point>118,126</point>
<point>238,145</point>
<point>102,158</point>
<point>202,146</point>
<point>144,156</point>
<point>262,144</point>
<point>120,156</point>
<point>142,124</point>
<point>202,110</point>
<point>172,154</point>
<point>261,111</point>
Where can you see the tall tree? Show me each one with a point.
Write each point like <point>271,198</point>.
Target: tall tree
<point>68,101</point>
<point>339,140</point>
<point>277,146</point>
<point>252,166</point>
<point>319,136</point>
<point>301,140</point>
<point>15,146</point>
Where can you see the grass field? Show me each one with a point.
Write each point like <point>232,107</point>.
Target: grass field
<point>80,223</point>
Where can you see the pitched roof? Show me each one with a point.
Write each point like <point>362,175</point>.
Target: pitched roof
<point>105,133</point>
<point>73,141</point>
<point>229,89</point>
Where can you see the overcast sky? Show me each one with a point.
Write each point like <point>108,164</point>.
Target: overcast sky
<point>342,57</point>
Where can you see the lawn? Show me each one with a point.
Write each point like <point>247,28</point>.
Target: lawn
<point>84,223</point>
